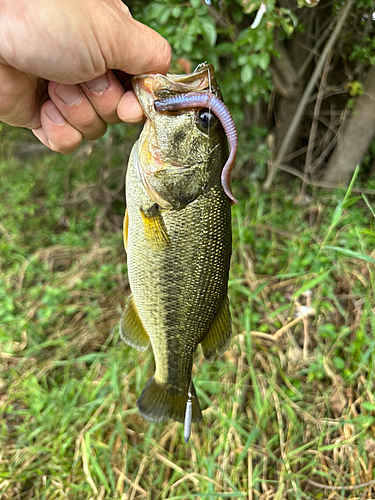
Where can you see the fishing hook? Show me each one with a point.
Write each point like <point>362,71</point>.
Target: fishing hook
<point>188,416</point>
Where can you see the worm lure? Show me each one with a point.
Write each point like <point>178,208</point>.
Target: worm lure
<point>214,104</point>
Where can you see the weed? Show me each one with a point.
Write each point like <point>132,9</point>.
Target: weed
<point>288,410</point>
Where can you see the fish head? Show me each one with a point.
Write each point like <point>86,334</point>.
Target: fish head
<point>180,153</point>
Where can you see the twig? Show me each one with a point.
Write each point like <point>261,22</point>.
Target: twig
<point>176,468</point>
<point>129,481</point>
<point>139,475</point>
<point>305,97</point>
<point>322,184</point>
<point>314,51</point>
<point>273,230</point>
<point>343,487</point>
<point>314,125</point>
<point>324,153</point>
<point>281,330</point>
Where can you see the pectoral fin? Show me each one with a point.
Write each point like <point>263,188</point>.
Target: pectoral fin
<point>218,337</point>
<point>126,229</point>
<point>154,227</point>
<point>132,330</point>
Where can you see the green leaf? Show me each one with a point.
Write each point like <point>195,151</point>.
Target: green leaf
<point>311,284</point>
<point>351,253</point>
<point>339,363</point>
<point>368,204</point>
<point>209,29</point>
<point>367,405</point>
<point>337,214</point>
<point>195,3</point>
<point>224,48</point>
<point>176,11</point>
<point>187,44</point>
<point>160,12</point>
<point>246,73</point>
<point>287,26</point>
<point>264,60</point>
<point>242,59</point>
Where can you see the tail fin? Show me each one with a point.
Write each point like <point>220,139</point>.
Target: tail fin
<point>156,404</point>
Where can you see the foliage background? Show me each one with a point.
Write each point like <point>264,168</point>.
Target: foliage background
<point>289,410</point>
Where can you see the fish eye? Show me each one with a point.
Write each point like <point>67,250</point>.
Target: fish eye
<point>205,119</point>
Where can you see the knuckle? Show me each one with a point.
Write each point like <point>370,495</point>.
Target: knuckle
<point>96,133</point>
<point>65,145</point>
<point>88,122</point>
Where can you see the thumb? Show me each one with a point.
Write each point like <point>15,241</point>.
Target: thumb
<point>133,47</point>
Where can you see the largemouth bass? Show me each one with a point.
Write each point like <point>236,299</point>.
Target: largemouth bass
<point>177,233</point>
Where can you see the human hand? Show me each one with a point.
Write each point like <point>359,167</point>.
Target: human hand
<point>55,67</point>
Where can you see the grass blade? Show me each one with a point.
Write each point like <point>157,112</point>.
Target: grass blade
<point>351,253</point>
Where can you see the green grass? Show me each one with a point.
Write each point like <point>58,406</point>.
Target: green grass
<point>286,407</point>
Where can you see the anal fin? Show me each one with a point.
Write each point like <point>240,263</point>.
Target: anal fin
<point>131,328</point>
<point>218,337</point>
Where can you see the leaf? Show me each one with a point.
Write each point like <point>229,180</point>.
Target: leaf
<point>176,11</point>
<point>263,60</point>
<point>242,59</point>
<point>337,214</point>
<point>209,29</point>
<point>287,26</point>
<point>224,48</point>
<point>367,405</point>
<point>246,73</point>
<point>160,12</point>
<point>351,253</point>
<point>368,204</point>
<point>311,283</point>
<point>187,44</point>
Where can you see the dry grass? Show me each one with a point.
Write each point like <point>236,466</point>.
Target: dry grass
<point>288,411</point>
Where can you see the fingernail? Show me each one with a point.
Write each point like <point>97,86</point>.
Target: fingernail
<point>69,94</point>
<point>54,114</point>
<point>98,85</point>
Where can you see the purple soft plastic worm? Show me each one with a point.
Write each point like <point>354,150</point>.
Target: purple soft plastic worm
<point>206,100</point>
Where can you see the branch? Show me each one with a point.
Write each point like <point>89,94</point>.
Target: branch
<point>322,184</point>
<point>314,125</point>
<point>308,90</point>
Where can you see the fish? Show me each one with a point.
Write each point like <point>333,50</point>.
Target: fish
<point>177,235</point>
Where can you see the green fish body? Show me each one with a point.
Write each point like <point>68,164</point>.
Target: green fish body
<point>177,234</point>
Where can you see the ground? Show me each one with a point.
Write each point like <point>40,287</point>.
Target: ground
<point>289,409</point>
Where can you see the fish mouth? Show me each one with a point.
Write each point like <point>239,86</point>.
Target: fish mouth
<point>150,87</point>
<point>155,86</point>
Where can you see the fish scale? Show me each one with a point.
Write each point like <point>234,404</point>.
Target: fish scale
<point>178,239</point>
